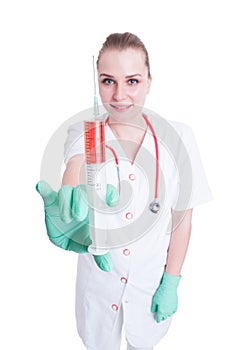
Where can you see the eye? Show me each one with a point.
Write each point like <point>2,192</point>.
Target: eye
<point>133,81</point>
<point>107,81</point>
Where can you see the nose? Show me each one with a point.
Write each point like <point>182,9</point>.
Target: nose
<point>119,92</point>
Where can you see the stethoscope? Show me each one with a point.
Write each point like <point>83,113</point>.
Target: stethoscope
<point>154,205</point>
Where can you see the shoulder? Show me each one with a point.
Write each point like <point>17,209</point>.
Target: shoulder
<point>74,133</point>
<point>76,128</point>
<point>74,143</point>
<point>171,132</point>
<point>184,132</point>
<point>159,122</point>
<point>181,128</point>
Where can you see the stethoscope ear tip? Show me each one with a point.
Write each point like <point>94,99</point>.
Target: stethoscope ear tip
<point>154,206</point>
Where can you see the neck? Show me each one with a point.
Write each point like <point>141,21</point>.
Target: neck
<point>132,128</point>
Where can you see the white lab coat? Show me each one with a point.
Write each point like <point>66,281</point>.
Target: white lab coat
<point>139,262</point>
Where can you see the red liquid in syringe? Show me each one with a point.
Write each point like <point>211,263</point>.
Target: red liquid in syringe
<point>95,141</point>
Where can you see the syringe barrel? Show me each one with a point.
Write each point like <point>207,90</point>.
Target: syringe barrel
<point>94,141</point>
<point>96,183</point>
<point>97,207</point>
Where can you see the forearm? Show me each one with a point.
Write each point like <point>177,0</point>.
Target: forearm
<point>180,236</point>
<point>74,173</point>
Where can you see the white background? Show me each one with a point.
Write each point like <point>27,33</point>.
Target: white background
<point>46,78</point>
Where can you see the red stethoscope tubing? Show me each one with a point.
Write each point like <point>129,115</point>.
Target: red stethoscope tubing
<point>156,155</point>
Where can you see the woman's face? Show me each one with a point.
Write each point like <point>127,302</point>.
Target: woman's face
<point>123,82</point>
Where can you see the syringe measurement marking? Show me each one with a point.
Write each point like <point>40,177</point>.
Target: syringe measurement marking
<point>92,175</point>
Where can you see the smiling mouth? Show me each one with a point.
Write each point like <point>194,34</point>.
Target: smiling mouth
<point>121,107</point>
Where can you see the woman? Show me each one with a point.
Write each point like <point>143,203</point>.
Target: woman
<point>136,284</point>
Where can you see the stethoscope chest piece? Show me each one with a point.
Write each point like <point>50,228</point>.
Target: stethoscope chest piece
<point>154,206</point>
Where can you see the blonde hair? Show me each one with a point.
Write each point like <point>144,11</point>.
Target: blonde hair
<point>123,41</point>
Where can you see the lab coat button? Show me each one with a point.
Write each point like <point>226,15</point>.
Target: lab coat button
<point>129,215</point>
<point>114,307</point>
<point>124,280</point>
<point>132,177</point>
<point>126,252</point>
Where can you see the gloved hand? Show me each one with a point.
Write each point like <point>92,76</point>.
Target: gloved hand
<point>66,218</point>
<point>165,300</point>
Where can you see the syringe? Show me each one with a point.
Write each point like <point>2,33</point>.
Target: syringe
<point>96,177</point>
<point>96,104</point>
<point>96,184</point>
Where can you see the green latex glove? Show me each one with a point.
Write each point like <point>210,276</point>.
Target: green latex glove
<point>66,218</point>
<point>165,300</point>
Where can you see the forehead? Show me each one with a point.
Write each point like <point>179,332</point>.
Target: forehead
<point>129,61</point>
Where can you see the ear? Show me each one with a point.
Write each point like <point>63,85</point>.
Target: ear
<point>149,84</point>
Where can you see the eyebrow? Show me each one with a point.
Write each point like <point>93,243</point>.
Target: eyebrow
<point>127,76</point>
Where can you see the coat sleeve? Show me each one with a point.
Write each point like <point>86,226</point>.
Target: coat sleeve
<point>192,186</point>
<point>74,143</point>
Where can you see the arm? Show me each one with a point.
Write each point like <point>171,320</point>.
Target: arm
<point>74,173</point>
<point>165,300</point>
<point>181,231</point>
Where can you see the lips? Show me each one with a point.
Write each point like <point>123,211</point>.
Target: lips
<point>121,107</point>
